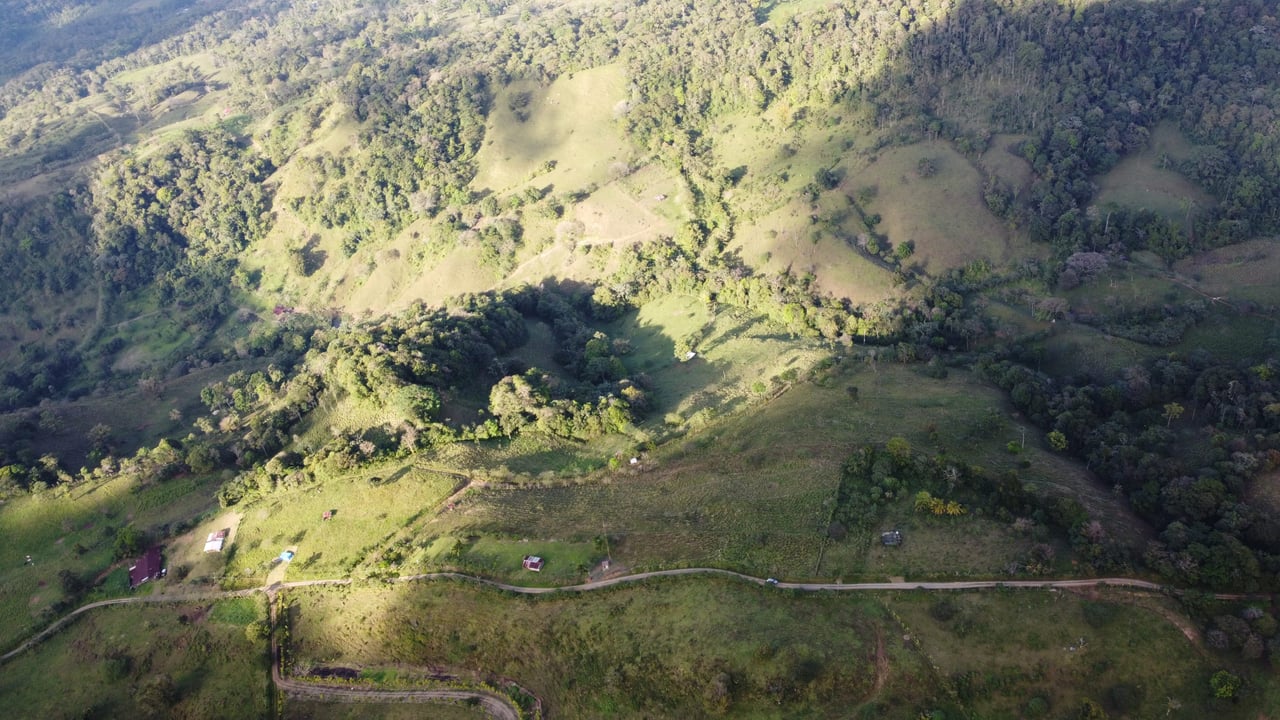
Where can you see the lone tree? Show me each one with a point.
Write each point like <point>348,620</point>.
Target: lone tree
<point>1225,684</point>
<point>1172,411</point>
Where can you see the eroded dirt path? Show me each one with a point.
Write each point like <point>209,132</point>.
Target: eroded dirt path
<point>500,707</point>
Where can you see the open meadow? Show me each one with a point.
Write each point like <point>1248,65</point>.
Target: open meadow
<point>675,648</point>
<point>146,661</point>
<point>754,491</point>
<point>1026,654</point>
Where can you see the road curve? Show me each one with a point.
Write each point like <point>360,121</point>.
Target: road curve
<point>497,706</point>
<point>65,619</point>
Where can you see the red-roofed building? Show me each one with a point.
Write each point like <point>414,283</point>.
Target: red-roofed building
<point>533,562</point>
<point>148,567</point>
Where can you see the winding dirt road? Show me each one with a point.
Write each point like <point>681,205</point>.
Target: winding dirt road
<point>501,707</point>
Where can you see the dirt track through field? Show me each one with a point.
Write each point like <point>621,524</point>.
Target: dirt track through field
<point>500,707</point>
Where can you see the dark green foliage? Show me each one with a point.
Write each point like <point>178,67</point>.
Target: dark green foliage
<point>182,216</point>
<point>129,542</point>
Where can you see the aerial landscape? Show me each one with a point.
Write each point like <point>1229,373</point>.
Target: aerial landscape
<point>640,359</point>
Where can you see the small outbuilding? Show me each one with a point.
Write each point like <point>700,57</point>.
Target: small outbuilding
<point>148,567</point>
<point>893,538</point>
<point>533,562</point>
<point>214,542</point>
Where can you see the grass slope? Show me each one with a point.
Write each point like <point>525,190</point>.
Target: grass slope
<point>668,649</point>
<point>98,666</point>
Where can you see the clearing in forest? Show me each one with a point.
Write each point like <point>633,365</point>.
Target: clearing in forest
<point>1147,180</point>
<point>563,135</point>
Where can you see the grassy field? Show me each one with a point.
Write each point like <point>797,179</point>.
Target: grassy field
<point>569,124</point>
<point>724,648</point>
<point>943,214</point>
<point>680,648</point>
<point>1002,649</point>
<point>754,492</point>
<point>74,531</point>
<point>1246,271</point>
<point>107,663</point>
<point>1147,180</point>
<point>368,507</point>
<point>1003,161</point>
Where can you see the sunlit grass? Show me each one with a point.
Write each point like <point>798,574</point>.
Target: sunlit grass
<point>637,651</point>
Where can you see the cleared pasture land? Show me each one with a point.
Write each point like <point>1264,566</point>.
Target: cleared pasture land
<point>754,491</point>
<point>569,124</point>
<point>74,531</point>
<point>1002,650</point>
<point>1243,272</point>
<point>104,663</point>
<point>1146,180</point>
<point>367,508</point>
<point>310,710</point>
<point>674,648</point>
<point>943,214</point>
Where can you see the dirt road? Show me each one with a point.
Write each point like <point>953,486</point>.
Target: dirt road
<point>499,706</point>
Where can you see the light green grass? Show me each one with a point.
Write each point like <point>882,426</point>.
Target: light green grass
<point>965,546</point>
<point>571,122</point>
<point>1246,271</point>
<point>944,215</point>
<point>310,710</point>
<point>365,514</point>
<point>754,490</point>
<point>48,528</point>
<point>785,239</point>
<point>1003,161</point>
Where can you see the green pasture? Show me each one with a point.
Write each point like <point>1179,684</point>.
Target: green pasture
<point>943,214</point>
<point>49,527</point>
<point>1003,161</point>
<point>1147,180</point>
<point>73,529</point>
<point>754,490</point>
<point>786,239</point>
<point>1243,272</point>
<point>1002,649</point>
<point>934,547</point>
<point>108,663</point>
<point>569,124</point>
<point>693,647</point>
<point>368,507</point>
<point>739,358</point>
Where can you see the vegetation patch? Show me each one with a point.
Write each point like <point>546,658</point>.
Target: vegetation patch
<point>606,652</point>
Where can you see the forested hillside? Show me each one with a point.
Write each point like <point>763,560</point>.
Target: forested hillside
<point>267,245</point>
